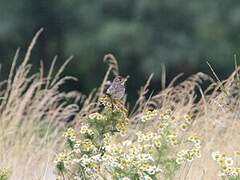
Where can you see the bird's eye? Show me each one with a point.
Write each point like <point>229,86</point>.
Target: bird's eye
<point>118,79</point>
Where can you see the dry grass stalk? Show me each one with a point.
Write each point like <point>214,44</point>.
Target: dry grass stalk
<point>32,112</point>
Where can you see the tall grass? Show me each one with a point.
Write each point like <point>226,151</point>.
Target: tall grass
<point>33,115</point>
<point>32,112</point>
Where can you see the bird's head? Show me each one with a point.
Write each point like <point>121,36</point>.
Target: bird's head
<point>120,80</point>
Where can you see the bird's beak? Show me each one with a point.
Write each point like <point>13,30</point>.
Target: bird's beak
<point>125,79</point>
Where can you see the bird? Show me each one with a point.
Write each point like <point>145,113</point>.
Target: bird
<point>117,88</point>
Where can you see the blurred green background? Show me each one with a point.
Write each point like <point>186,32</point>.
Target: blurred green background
<point>182,34</point>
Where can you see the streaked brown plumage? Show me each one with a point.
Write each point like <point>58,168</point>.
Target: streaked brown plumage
<point>117,88</point>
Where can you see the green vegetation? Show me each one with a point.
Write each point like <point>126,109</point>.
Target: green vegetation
<point>105,148</point>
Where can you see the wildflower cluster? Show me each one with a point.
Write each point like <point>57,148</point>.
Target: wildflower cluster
<point>131,159</point>
<point>190,153</point>
<point>4,174</point>
<point>106,146</point>
<point>166,119</point>
<point>83,156</point>
<point>74,162</point>
<point>171,138</point>
<point>229,167</point>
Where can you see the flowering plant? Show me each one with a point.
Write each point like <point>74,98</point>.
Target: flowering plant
<point>107,145</point>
